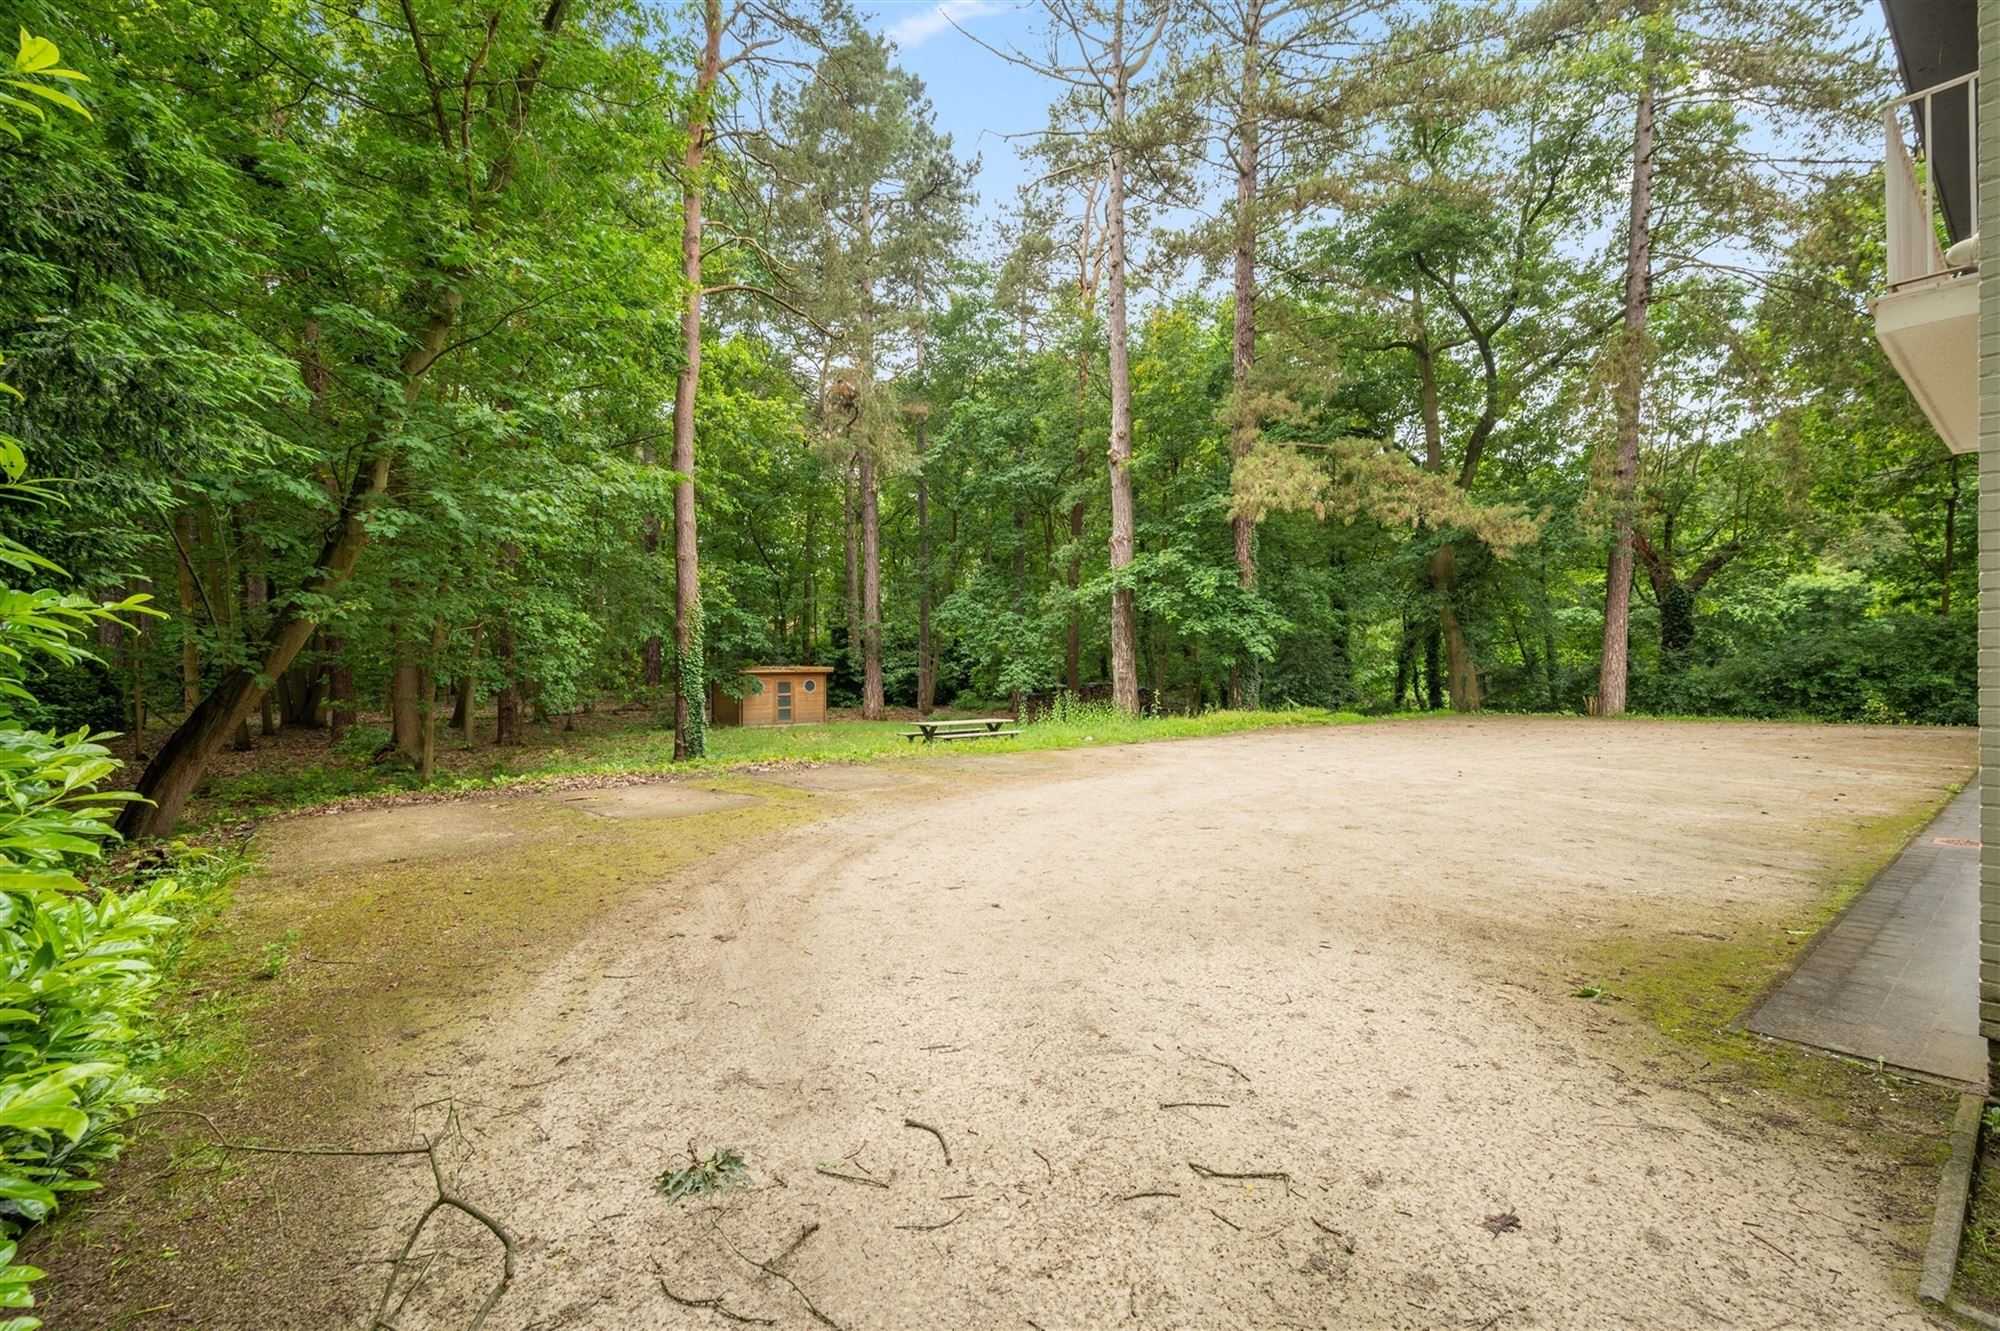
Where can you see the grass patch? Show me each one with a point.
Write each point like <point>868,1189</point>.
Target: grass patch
<point>296,1003</point>
<point>198,1023</point>
<point>1977,1280</point>
<point>299,770</point>
<point>1695,992</point>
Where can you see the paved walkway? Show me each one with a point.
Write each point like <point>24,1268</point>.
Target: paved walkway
<point>1897,976</point>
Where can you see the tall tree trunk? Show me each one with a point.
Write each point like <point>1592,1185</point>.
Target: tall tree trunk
<point>690,670</point>
<point>256,595</point>
<point>461,704</point>
<point>1243,679</point>
<point>1616,658</point>
<point>340,689</point>
<point>177,769</point>
<point>926,666</point>
<point>853,571</point>
<point>1073,579</point>
<point>406,677</point>
<point>302,689</point>
<point>1124,640</point>
<point>184,583</point>
<point>872,704</point>
<point>427,720</point>
<point>1461,668</point>
<point>1461,674</point>
<point>507,699</point>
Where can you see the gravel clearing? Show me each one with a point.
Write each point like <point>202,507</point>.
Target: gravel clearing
<point>1274,1030</point>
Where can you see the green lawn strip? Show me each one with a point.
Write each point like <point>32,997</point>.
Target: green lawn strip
<point>637,746</point>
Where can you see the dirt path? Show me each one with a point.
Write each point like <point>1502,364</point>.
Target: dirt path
<point>1344,956</point>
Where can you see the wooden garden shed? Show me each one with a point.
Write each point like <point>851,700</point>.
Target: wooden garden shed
<point>777,696</point>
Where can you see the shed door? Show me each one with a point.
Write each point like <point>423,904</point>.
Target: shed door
<point>784,700</point>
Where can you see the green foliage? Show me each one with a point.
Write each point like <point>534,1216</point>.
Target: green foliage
<point>720,1170</point>
<point>692,680</point>
<point>77,965</point>
<point>35,62</point>
<point>1822,645</point>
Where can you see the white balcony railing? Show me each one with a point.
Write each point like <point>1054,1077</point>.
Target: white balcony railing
<point>1913,180</point>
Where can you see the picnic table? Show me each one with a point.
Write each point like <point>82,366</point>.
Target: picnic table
<point>976,727</point>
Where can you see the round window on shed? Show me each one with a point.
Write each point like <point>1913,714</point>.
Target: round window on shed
<point>812,685</point>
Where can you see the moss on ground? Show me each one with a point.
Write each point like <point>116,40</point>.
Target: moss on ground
<point>306,989</point>
<point>1696,992</point>
<point>1977,1281</point>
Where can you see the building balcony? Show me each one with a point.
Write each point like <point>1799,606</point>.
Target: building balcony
<point>1928,318</point>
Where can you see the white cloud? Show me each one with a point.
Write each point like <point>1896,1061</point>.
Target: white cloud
<point>926,23</point>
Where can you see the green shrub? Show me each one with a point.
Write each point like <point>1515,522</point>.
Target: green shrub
<point>362,742</point>
<point>84,696</point>
<point>1819,645</point>
<point>77,966</point>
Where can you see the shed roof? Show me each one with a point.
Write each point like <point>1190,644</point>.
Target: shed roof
<point>788,670</point>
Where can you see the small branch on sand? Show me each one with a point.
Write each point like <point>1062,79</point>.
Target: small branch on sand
<point>924,1229</point>
<point>384,1318</point>
<point>1158,1192</point>
<point>1218,1063</point>
<point>715,1305</point>
<point>1274,1175</point>
<point>925,1127</point>
<point>770,1269</point>
<point>1195,1104</point>
<point>1774,1247</point>
<point>795,1244</point>
<point>850,1178</point>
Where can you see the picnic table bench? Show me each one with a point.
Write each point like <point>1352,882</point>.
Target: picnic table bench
<point>977,727</point>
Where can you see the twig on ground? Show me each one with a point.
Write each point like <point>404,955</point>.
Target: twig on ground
<point>1195,1104</point>
<point>715,1306</point>
<point>445,1200</point>
<point>795,1244</point>
<point>1774,1247</point>
<point>1045,1162</point>
<point>1204,1171</point>
<point>1223,1218</point>
<point>1218,1063</point>
<point>770,1270</point>
<point>923,1229</point>
<point>1157,1192</point>
<point>850,1178</point>
<point>925,1127</point>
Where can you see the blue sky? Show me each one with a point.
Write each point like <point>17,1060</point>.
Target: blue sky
<point>979,97</point>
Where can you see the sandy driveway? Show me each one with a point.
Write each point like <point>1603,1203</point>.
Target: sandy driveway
<point>1340,958</point>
